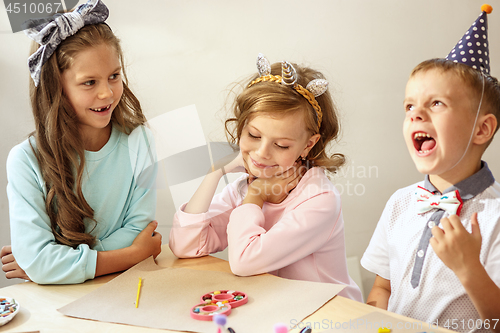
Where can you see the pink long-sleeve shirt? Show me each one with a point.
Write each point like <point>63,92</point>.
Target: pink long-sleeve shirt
<point>301,238</point>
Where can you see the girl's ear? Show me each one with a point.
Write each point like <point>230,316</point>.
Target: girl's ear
<point>486,128</point>
<point>311,142</point>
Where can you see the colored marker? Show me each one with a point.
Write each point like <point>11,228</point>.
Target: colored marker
<point>220,320</point>
<point>138,293</point>
<point>280,328</point>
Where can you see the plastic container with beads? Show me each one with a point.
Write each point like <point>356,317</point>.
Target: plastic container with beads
<point>206,311</point>
<point>232,297</point>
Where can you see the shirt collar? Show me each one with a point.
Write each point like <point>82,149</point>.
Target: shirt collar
<point>469,187</point>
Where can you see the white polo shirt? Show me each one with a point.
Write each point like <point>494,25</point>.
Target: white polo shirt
<point>440,297</point>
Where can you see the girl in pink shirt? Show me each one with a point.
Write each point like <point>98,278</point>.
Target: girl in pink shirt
<point>284,217</point>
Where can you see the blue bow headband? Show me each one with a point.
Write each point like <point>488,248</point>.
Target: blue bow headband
<point>50,32</point>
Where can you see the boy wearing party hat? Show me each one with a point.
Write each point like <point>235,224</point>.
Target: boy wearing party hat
<point>436,248</point>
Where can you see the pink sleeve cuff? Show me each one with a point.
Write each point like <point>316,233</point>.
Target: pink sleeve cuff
<point>186,219</point>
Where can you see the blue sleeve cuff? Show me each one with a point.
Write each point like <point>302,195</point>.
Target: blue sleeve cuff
<point>91,265</point>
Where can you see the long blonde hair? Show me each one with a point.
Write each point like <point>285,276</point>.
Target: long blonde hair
<point>278,100</point>
<point>59,147</point>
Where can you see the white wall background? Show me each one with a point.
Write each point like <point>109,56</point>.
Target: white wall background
<point>188,52</point>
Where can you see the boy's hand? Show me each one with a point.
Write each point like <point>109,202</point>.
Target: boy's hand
<point>10,266</point>
<point>455,246</point>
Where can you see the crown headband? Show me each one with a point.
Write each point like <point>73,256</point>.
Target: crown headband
<point>50,32</point>
<point>288,77</point>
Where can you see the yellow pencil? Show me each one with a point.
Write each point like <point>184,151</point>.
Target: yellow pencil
<point>138,292</point>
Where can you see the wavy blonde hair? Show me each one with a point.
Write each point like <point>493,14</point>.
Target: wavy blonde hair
<point>59,146</point>
<point>271,98</point>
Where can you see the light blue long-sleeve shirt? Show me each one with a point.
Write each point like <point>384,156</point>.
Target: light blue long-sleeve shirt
<point>118,184</point>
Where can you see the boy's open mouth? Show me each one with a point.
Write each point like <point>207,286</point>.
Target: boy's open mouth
<point>423,142</point>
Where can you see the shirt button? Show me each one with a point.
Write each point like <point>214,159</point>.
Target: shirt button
<point>420,253</point>
<point>431,224</point>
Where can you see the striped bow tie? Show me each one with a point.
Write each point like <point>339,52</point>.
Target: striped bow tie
<point>426,201</point>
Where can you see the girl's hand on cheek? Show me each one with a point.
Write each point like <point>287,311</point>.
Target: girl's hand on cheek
<point>236,165</point>
<point>274,189</point>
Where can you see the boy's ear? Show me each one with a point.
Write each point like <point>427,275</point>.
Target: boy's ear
<point>487,125</point>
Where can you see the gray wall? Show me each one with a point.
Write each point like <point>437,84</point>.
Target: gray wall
<point>188,52</point>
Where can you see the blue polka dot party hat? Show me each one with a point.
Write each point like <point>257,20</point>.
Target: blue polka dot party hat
<point>473,49</point>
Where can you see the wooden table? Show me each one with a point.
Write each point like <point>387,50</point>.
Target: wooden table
<point>39,304</point>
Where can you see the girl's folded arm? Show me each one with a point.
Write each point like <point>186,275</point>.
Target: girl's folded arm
<point>196,235</point>
<point>141,208</point>
<point>299,233</point>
